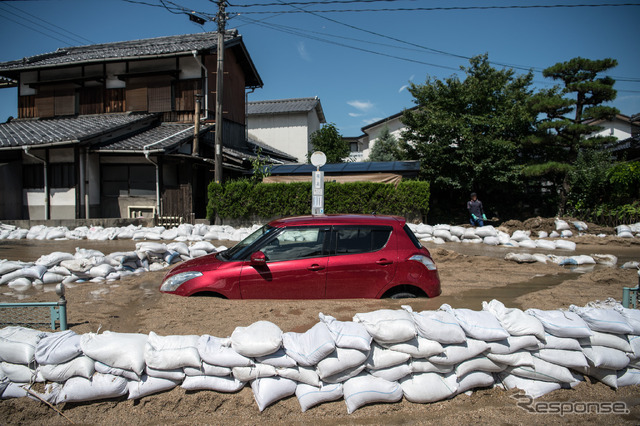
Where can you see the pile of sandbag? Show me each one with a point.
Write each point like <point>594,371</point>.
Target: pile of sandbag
<point>380,356</point>
<point>628,231</point>
<point>579,260</point>
<point>440,234</point>
<point>94,266</point>
<point>182,233</point>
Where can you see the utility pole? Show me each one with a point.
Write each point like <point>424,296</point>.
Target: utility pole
<point>221,18</point>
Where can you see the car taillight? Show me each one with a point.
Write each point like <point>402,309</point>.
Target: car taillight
<point>426,261</point>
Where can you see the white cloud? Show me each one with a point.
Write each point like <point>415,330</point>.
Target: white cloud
<point>371,120</point>
<point>302,51</point>
<point>353,114</point>
<point>361,105</point>
<point>406,86</point>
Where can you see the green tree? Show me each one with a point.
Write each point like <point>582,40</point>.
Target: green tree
<point>566,127</point>
<point>385,148</point>
<point>329,141</point>
<point>261,166</point>
<point>466,132</point>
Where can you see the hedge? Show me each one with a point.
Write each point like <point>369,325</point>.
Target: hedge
<point>243,199</point>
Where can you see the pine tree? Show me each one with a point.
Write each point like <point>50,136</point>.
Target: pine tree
<point>385,148</point>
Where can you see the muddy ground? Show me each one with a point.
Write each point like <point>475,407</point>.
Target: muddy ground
<point>469,276</point>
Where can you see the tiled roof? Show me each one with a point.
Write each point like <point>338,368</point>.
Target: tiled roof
<point>119,50</point>
<point>35,132</point>
<point>268,150</point>
<point>158,138</point>
<point>285,106</point>
<point>401,167</point>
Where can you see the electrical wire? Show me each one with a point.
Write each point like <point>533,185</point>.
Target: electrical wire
<point>36,30</point>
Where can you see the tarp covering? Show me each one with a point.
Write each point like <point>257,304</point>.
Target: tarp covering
<point>365,177</point>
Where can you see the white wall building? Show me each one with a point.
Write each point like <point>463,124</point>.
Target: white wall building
<point>285,124</point>
<point>621,126</point>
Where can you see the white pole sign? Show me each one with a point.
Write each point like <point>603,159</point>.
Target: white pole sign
<point>318,159</point>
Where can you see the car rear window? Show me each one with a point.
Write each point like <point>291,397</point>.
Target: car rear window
<point>412,237</point>
<point>360,239</point>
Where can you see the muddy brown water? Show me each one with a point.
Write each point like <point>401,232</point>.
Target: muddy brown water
<point>30,250</point>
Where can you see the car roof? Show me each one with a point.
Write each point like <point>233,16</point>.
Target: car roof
<point>339,219</point>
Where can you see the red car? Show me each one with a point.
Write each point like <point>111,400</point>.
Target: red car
<point>315,257</point>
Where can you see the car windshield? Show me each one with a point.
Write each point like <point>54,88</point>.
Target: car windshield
<point>239,251</point>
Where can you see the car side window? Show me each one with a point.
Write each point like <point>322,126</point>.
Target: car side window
<point>295,243</point>
<point>360,239</point>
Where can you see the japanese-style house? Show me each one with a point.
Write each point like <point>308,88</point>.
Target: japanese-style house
<point>109,130</point>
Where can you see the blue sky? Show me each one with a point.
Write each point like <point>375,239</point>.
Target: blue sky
<point>357,63</point>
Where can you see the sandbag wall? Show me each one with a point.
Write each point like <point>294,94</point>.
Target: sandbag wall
<point>94,266</point>
<point>380,356</point>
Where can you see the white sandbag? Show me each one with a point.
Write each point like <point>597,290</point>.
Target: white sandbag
<point>392,374</point>
<point>306,375</point>
<point>246,374</point>
<point>426,366</point>
<point>418,347</point>
<point>517,359</point>
<point>514,321</point>
<point>424,229</point>
<point>561,323</point>
<point>149,385</point>
<point>625,235</point>
<point>311,347</point>
<point>366,389</point>
<point>607,358</point>
<point>380,357</point>
<point>527,244</point>
<point>310,396</point>
<point>31,272</point>
<point>567,343</point>
<point>14,390</point>
<point>566,234</point>
<point>543,370</point>
<point>206,370</point>
<point>340,360</point>
<point>520,236</point>
<point>561,225</point>
<point>480,363</point>
<point>106,369</point>
<point>151,247</point>
<point>8,266</point>
<point>457,231</point>
<point>570,359</point>
<point>480,325</point>
<point>101,270</point>
<point>532,388</point>
<point>605,259</point>
<point>259,339</point>
<point>268,390</point>
<point>604,320</point>
<point>214,383</point>
<point>18,344</point>
<point>545,244</point>
<point>169,234</point>
<point>473,380</point>
<point>176,374</point>
<point>608,377</point>
<point>345,375</point>
<point>54,258</point>
<point>100,386</point>
<point>19,373</point>
<point>442,233</point>
<point>486,231</point>
<point>347,334</point>
<point>470,235</point>
<point>203,245</point>
<point>197,253</point>
<point>181,248</point>
<point>82,366</point>
<point>429,387</point>
<point>491,241</point>
<point>52,278</point>
<point>120,350</point>
<point>565,245</point>
<point>168,352</point>
<point>629,377</point>
<point>543,234</point>
<point>632,316</point>
<point>388,326</point>
<point>520,257</point>
<point>439,325</point>
<point>455,354</point>
<point>278,359</point>
<point>615,341</point>
<point>20,284</point>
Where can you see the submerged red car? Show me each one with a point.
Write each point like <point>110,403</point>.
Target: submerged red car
<point>315,257</point>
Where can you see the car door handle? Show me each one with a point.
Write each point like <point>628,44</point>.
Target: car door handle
<point>384,262</point>
<point>315,267</point>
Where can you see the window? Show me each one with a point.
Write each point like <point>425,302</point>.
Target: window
<point>295,243</point>
<point>412,236</point>
<point>128,180</point>
<point>63,175</point>
<point>33,176</point>
<point>360,239</point>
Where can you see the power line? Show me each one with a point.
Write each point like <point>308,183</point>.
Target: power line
<point>36,30</point>
<point>308,3</point>
<point>449,8</point>
<point>76,38</point>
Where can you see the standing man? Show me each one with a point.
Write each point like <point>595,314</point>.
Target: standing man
<point>476,211</point>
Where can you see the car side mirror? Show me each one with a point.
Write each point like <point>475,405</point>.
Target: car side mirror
<point>258,259</point>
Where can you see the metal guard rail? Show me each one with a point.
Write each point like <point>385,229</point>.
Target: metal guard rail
<point>630,295</point>
<point>30,314</point>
